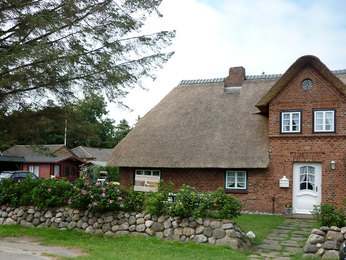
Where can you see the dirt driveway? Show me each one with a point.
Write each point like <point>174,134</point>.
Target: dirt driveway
<point>26,248</point>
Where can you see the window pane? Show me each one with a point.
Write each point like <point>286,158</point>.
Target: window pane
<point>312,179</point>
<point>139,172</point>
<point>241,185</point>
<point>156,173</point>
<point>319,115</point>
<point>147,172</point>
<point>303,169</point>
<point>302,177</point>
<point>303,186</point>
<point>311,169</point>
<point>295,116</point>
<point>286,116</point>
<point>330,114</point>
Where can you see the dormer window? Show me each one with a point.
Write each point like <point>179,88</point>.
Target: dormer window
<point>291,122</point>
<point>324,120</point>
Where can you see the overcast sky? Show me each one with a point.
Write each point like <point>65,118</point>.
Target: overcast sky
<point>260,35</point>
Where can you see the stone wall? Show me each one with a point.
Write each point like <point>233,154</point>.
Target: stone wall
<point>325,242</point>
<point>212,231</point>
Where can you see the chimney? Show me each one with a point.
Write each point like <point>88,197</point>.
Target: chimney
<point>236,77</point>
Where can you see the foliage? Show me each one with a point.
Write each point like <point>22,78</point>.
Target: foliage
<point>186,201</point>
<point>87,124</point>
<point>133,200</point>
<point>86,195</point>
<point>113,172</point>
<point>51,193</point>
<point>58,48</point>
<point>326,215</point>
<point>156,203</point>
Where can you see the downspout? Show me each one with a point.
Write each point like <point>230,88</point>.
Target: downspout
<point>273,207</point>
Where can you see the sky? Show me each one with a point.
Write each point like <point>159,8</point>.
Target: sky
<point>260,35</point>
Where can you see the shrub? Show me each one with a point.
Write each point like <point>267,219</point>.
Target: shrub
<point>133,200</point>
<point>156,203</point>
<point>186,202</point>
<point>326,215</point>
<point>52,193</point>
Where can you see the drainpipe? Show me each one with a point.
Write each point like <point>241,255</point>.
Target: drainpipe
<point>273,199</point>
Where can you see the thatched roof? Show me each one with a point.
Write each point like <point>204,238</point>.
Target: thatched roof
<point>198,125</point>
<point>300,63</point>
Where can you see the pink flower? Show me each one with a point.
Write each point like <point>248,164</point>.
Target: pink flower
<point>95,203</point>
<point>110,201</point>
<point>49,190</point>
<point>86,184</point>
<point>43,184</point>
<point>18,181</point>
<point>84,192</point>
<point>89,191</point>
<point>120,198</point>
<point>170,208</point>
<point>97,184</point>
<point>118,190</point>
<point>103,194</point>
<point>91,196</point>
<point>103,189</point>
<point>69,201</point>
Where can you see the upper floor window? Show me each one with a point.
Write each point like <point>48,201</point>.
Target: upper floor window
<point>236,180</point>
<point>324,120</point>
<point>291,121</point>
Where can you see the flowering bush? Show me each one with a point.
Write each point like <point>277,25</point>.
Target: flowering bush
<point>111,197</point>
<point>51,193</point>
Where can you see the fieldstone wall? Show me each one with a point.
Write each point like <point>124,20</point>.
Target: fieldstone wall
<point>212,231</point>
<point>325,242</point>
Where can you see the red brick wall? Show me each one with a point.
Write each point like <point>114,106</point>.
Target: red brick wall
<point>285,149</point>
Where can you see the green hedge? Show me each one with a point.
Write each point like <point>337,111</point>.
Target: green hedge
<point>82,194</point>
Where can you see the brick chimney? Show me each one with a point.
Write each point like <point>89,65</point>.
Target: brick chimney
<point>236,77</point>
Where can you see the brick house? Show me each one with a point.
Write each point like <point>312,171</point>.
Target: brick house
<point>47,160</point>
<point>269,140</point>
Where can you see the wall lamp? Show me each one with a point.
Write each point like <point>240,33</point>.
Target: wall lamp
<point>332,165</point>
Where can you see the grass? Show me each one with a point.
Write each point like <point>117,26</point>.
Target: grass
<point>261,225</point>
<point>138,247</point>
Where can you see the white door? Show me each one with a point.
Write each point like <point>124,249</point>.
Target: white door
<point>306,187</point>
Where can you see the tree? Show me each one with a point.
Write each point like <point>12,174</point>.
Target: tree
<point>87,124</point>
<point>57,48</point>
<point>122,129</point>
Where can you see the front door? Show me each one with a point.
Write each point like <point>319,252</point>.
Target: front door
<point>306,187</point>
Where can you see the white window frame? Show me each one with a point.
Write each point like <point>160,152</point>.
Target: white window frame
<point>148,172</point>
<point>34,169</point>
<point>57,170</point>
<point>290,113</point>
<point>236,187</point>
<point>324,112</point>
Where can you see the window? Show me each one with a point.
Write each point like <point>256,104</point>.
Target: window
<point>324,120</point>
<point>290,121</point>
<point>148,172</point>
<point>307,178</point>
<point>147,180</point>
<point>35,169</point>
<point>236,180</point>
<point>56,170</point>
<point>67,171</point>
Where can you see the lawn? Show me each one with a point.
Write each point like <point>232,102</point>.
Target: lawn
<point>131,247</point>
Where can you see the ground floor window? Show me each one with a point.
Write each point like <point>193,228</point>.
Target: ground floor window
<point>147,179</point>
<point>236,180</point>
<point>56,170</point>
<point>35,169</point>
